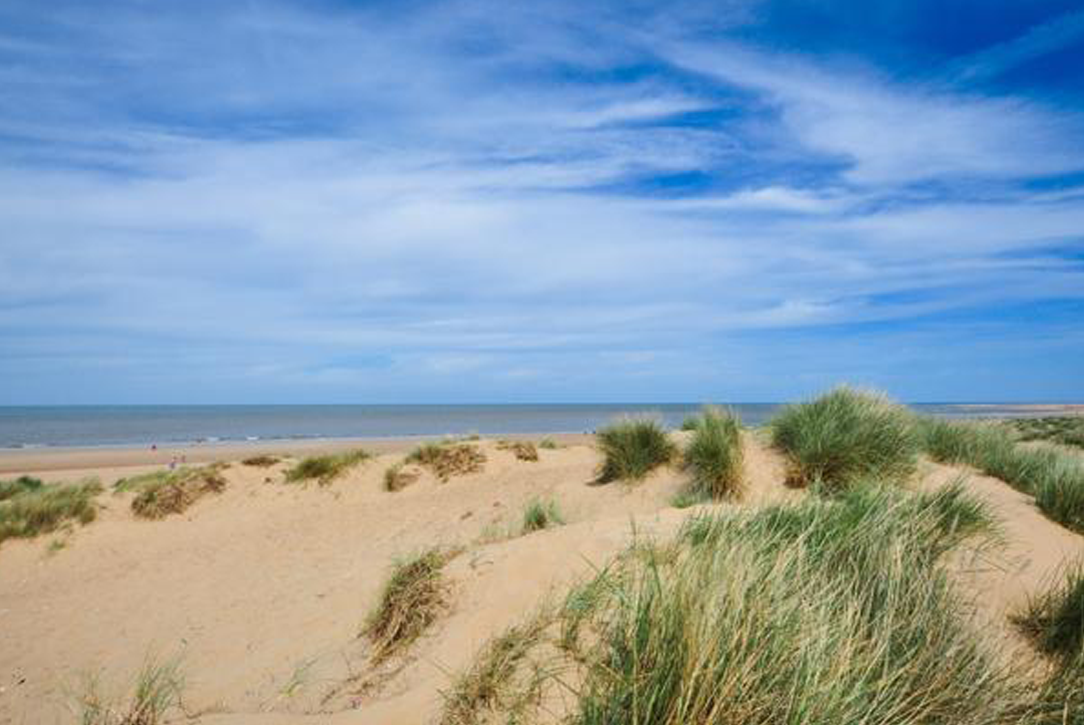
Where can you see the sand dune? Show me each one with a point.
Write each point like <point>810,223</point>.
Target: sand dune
<point>262,590</point>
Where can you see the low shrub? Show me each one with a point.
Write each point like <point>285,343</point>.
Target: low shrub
<point>846,436</point>
<point>632,448</point>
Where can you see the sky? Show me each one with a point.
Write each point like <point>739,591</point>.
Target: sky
<point>329,201</point>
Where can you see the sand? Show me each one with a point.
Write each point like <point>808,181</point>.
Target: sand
<point>262,590</point>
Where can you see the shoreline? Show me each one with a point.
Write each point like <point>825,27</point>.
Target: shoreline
<point>16,461</point>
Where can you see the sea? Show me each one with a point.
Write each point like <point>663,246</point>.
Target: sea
<point>131,425</point>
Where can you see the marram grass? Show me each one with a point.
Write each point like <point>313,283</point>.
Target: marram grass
<point>845,436</point>
<point>1055,478</point>
<point>325,469</point>
<point>632,448</point>
<point>714,456</point>
<point>30,508</point>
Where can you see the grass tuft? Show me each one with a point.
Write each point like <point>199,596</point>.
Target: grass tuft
<point>156,691</point>
<point>541,514</point>
<point>489,685</point>
<point>447,460</point>
<point>714,456</point>
<point>325,469</point>
<point>396,479</point>
<point>33,508</point>
<point>260,461</point>
<point>523,450</point>
<point>22,484</point>
<point>413,597</point>
<point>632,448</point>
<point>162,493</point>
<point>548,444</point>
<point>1055,620</point>
<point>846,436</point>
<point>1068,430</point>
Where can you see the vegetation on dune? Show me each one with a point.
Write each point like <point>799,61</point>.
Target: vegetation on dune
<point>1055,478</point>
<point>846,436</point>
<point>260,461</point>
<point>411,600</point>
<point>548,444</point>
<point>447,460</point>
<point>156,692</point>
<point>523,450</point>
<point>541,514</point>
<point>1067,430</point>
<point>325,469</point>
<point>714,456</point>
<point>161,493</point>
<point>829,611</point>
<point>22,484</point>
<point>1055,620</point>
<point>396,479</point>
<point>29,507</point>
<point>489,684</point>
<point>632,448</point>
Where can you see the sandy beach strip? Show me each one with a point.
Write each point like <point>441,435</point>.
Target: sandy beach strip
<point>71,459</point>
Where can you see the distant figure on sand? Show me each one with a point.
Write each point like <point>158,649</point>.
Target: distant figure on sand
<point>172,463</point>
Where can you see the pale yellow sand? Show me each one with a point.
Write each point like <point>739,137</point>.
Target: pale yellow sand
<point>262,590</point>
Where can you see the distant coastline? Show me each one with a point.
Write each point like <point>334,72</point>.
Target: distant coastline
<point>29,428</point>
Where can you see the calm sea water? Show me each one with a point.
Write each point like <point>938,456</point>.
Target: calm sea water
<point>107,425</point>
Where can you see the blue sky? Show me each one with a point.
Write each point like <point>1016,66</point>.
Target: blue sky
<point>481,201</point>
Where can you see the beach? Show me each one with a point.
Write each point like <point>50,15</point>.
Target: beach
<point>260,590</point>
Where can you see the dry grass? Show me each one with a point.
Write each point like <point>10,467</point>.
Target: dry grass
<point>490,685</point>
<point>30,508</point>
<point>412,599</point>
<point>523,450</point>
<point>162,493</point>
<point>261,461</point>
<point>155,692</point>
<point>396,479</point>
<point>325,469</point>
<point>447,460</point>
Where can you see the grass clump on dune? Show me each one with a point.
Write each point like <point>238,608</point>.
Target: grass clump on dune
<point>522,450</point>
<point>1055,620</point>
<point>325,469</point>
<point>1068,430</point>
<point>156,691</point>
<point>714,456</point>
<point>541,514</point>
<point>411,600</point>
<point>447,460</point>
<point>29,507</point>
<point>829,611</point>
<point>1055,478</point>
<point>548,444</point>
<point>845,436</point>
<point>161,493</point>
<point>490,684</point>
<point>260,461</point>
<point>632,448</point>
<point>396,479</point>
